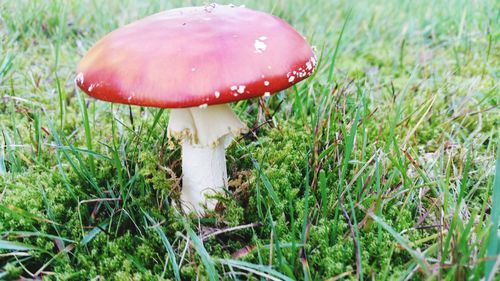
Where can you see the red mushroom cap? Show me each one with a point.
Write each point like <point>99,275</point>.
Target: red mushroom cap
<point>196,56</point>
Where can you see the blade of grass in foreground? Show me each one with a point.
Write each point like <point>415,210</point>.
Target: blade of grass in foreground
<point>493,243</point>
<point>156,226</point>
<point>93,233</point>
<point>347,157</point>
<point>404,242</point>
<point>3,167</point>
<point>10,153</point>
<point>265,180</point>
<point>257,269</point>
<point>24,234</point>
<point>455,222</point>
<point>6,66</point>
<point>305,222</point>
<point>337,46</point>
<point>13,246</point>
<point>57,49</point>
<point>88,133</point>
<point>202,252</point>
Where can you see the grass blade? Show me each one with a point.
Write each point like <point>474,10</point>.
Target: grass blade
<point>93,233</point>
<point>494,243</point>
<point>88,133</point>
<point>337,46</point>
<point>6,66</point>
<point>257,269</point>
<point>265,180</point>
<point>167,245</point>
<point>202,252</point>
<point>419,258</point>
<point>14,246</point>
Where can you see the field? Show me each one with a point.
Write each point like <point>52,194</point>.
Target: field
<point>381,166</point>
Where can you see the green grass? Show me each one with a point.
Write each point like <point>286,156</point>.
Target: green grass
<point>380,166</point>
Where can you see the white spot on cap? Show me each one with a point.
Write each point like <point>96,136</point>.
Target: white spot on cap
<point>291,79</point>
<point>129,99</point>
<point>79,78</point>
<point>217,94</point>
<point>266,83</point>
<point>267,94</point>
<point>263,38</point>
<point>91,87</point>
<point>262,76</point>
<point>309,65</point>
<point>269,67</point>
<point>193,69</point>
<point>259,46</point>
<point>241,89</point>
<point>210,7</point>
<point>203,105</point>
<point>234,88</point>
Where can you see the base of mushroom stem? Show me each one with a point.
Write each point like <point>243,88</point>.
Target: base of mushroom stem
<point>204,174</point>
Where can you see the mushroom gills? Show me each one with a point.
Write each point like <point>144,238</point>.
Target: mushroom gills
<point>204,134</point>
<point>205,126</point>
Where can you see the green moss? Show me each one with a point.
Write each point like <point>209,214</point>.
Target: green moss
<point>153,175</point>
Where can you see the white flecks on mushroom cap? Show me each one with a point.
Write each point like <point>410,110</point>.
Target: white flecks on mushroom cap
<point>241,89</point>
<point>259,46</point>
<point>210,7</point>
<point>304,71</point>
<point>266,83</point>
<point>131,97</point>
<point>79,78</point>
<point>203,105</point>
<point>309,65</point>
<point>267,94</point>
<point>217,94</point>
<point>93,86</point>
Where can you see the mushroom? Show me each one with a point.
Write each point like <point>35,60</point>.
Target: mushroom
<point>195,60</point>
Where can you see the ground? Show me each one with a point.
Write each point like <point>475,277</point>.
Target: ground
<point>380,166</point>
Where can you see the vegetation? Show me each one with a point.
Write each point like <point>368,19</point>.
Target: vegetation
<point>379,167</point>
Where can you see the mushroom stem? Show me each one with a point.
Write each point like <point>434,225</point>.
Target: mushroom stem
<point>204,175</point>
<point>205,133</point>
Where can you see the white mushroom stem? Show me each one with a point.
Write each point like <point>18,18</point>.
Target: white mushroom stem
<point>204,133</point>
<point>204,175</point>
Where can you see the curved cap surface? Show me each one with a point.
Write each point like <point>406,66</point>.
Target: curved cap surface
<point>196,56</point>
